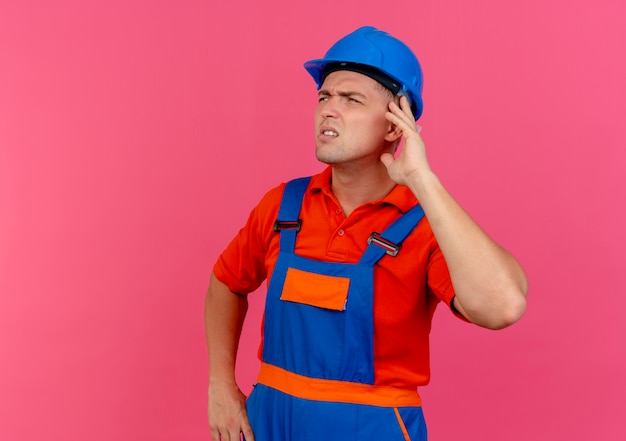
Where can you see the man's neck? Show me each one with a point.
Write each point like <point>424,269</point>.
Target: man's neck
<point>355,187</point>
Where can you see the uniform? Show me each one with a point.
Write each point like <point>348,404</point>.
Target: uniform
<point>330,365</point>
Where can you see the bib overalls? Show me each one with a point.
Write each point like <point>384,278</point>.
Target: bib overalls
<point>316,381</point>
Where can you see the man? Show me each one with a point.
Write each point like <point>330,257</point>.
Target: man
<point>357,259</point>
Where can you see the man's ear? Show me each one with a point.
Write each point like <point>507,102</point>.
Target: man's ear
<point>393,133</point>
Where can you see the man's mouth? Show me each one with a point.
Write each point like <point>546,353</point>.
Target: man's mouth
<point>329,133</point>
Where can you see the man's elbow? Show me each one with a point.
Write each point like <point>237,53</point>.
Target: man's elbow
<point>511,312</point>
<point>512,303</point>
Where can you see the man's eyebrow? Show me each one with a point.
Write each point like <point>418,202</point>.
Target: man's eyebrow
<point>341,93</point>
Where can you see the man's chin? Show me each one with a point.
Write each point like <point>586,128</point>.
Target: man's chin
<point>325,159</point>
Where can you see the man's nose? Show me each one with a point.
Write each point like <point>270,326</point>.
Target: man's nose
<point>329,108</point>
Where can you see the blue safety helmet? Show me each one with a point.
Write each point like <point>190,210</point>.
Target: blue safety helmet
<point>378,55</point>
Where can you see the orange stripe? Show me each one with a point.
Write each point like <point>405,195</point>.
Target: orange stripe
<point>336,391</point>
<point>402,426</point>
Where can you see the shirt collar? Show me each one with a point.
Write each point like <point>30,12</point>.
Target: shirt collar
<point>399,196</point>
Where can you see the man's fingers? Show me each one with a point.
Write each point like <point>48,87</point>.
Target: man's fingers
<point>401,117</point>
<point>404,105</point>
<point>247,432</point>
<point>407,127</point>
<point>232,433</point>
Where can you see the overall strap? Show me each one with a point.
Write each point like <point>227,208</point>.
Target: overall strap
<point>288,223</point>
<point>390,240</point>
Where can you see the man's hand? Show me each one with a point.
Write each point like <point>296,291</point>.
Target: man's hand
<point>228,418</point>
<point>412,159</point>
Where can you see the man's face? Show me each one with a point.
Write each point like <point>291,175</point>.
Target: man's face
<point>350,123</point>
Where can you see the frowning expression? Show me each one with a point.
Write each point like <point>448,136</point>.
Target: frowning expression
<point>350,119</point>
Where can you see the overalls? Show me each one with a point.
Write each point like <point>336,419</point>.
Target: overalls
<point>317,370</point>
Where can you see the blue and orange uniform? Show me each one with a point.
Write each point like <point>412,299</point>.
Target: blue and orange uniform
<point>345,334</point>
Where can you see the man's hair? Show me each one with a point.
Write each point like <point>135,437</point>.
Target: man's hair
<point>388,92</point>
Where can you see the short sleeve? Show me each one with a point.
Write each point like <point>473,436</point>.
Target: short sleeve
<point>242,264</point>
<point>439,277</point>
<point>439,281</point>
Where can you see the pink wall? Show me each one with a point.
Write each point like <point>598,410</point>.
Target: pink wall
<point>136,136</point>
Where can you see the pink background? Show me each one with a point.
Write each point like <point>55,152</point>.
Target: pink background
<point>135,136</point>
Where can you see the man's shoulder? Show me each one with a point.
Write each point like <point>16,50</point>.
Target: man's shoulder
<point>272,198</point>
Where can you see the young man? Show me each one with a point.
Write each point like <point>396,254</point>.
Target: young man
<point>357,259</point>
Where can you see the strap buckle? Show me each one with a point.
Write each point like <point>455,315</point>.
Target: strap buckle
<point>390,248</point>
<point>287,225</point>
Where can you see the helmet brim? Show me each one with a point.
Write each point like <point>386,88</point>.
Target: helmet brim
<point>317,69</point>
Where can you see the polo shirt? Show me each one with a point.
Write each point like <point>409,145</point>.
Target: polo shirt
<point>407,287</point>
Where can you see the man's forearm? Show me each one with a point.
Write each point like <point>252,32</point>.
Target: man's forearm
<point>224,313</point>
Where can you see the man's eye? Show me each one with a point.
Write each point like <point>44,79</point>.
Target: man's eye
<point>354,100</point>
<point>321,99</point>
